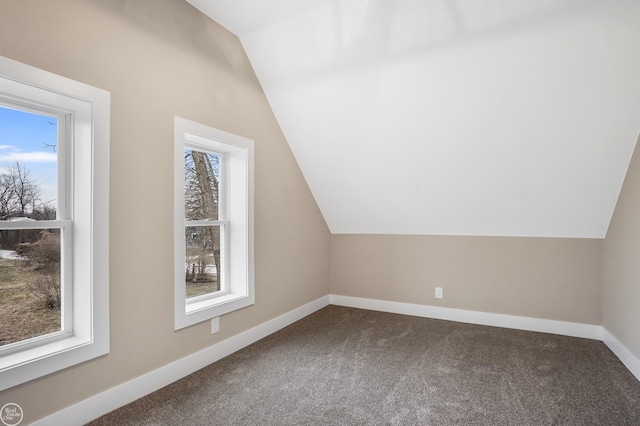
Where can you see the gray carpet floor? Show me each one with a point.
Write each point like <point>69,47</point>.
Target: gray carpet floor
<point>343,366</point>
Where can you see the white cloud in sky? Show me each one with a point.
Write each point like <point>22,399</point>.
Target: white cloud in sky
<point>29,157</point>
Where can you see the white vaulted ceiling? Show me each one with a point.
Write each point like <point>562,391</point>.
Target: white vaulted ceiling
<point>467,117</point>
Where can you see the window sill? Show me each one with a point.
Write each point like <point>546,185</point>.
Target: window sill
<point>211,308</point>
<point>27,365</point>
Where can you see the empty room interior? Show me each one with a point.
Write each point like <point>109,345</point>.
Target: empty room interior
<point>450,167</point>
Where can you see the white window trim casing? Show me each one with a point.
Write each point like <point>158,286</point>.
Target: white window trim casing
<point>238,160</point>
<point>88,119</point>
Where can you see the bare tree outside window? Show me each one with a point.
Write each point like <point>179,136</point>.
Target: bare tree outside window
<point>202,203</point>
<point>18,193</point>
<point>30,296</point>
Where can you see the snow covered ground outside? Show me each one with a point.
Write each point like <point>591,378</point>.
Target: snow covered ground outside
<point>9,254</point>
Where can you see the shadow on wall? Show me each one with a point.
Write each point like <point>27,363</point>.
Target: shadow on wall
<point>368,33</point>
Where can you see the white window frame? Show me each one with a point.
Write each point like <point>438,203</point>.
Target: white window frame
<point>236,222</point>
<point>83,220</point>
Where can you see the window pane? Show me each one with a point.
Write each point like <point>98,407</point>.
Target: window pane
<point>30,296</point>
<point>201,185</point>
<point>202,261</point>
<point>28,165</point>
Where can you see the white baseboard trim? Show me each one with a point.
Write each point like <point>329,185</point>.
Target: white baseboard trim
<point>98,405</point>
<point>572,329</point>
<point>627,358</point>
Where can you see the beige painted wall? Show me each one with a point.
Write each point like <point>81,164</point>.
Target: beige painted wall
<point>556,279</point>
<point>621,260</point>
<point>159,59</point>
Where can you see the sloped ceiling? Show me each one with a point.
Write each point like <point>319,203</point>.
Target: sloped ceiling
<point>455,117</point>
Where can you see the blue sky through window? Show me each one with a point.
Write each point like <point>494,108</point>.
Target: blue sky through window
<point>31,140</point>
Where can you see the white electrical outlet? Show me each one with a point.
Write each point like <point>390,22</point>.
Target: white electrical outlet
<point>215,325</point>
<point>438,292</point>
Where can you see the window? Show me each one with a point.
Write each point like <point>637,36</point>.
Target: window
<point>213,193</point>
<point>54,192</point>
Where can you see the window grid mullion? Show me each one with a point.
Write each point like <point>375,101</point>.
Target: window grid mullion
<point>206,223</point>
